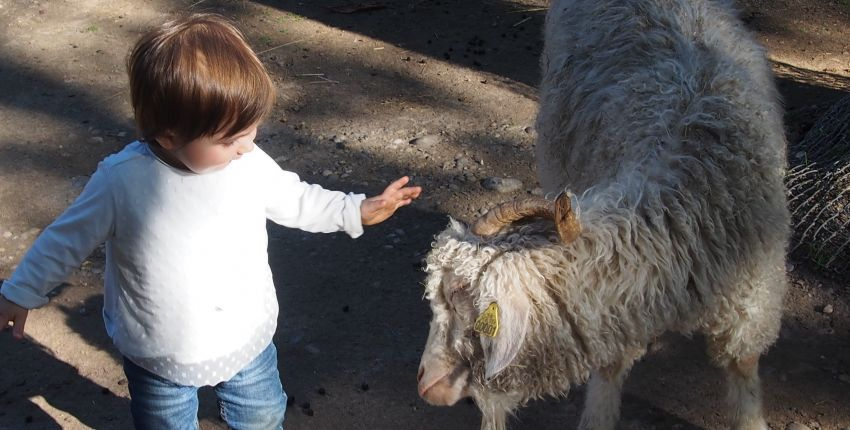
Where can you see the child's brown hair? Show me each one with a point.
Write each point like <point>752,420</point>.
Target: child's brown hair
<point>197,76</point>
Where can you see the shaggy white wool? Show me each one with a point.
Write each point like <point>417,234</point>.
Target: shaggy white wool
<point>663,116</point>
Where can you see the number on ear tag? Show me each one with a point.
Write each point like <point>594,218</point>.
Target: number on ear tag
<point>488,322</point>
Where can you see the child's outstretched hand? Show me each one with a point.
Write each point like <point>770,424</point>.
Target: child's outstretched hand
<point>12,313</point>
<point>377,209</point>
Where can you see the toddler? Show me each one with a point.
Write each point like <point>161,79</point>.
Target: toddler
<point>189,299</point>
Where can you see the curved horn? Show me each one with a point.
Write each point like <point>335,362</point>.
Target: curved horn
<point>560,211</point>
<point>565,219</point>
<point>505,213</point>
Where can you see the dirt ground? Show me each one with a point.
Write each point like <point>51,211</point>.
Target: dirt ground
<point>355,90</point>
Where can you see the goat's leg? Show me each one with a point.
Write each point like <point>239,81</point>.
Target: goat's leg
<point>604,390</point>
<point>744,394</point>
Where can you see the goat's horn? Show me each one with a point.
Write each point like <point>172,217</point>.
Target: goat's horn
<point>506,213</point>
<point>565,218</point>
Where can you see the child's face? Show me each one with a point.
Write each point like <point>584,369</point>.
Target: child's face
<point>209,153</point>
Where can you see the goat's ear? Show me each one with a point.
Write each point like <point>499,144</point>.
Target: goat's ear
<point>500,283</point>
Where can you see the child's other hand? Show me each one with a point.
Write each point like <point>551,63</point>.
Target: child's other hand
<point>377,209</point>
<point>12,313</point>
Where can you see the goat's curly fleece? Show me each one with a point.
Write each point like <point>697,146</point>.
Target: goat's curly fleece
<point>663,116</point>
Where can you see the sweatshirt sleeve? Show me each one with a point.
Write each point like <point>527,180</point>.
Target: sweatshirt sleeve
<point>63,245</point>
<point>309,207</point>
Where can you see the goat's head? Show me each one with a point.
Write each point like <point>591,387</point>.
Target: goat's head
<point>479,294</point>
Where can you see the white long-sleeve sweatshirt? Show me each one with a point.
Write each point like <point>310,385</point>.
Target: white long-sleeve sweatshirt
<point>188,288</point>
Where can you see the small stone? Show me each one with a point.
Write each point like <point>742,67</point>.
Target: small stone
<point>797,426</point>
<point>426,141</point>
<point>828,309</point>
<point>97,139</point>
<point>397,142</point>
<point>461,162</point>
<point>7,234</point>
<point>281,159</point>
<point>327,172</point>
<point>501,185</point>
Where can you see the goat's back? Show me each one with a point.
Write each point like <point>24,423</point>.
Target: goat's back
<point>633,86</point>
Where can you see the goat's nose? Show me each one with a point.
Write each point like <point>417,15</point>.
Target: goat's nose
<point>419,375</point>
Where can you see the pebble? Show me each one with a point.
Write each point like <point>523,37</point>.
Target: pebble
<point>501,185</point>
<point>797,426</point>
<point>397,141</point>
<point>426,141</point>
<point>461,163</point>
<point>327,172</point>
<point>828,309</point>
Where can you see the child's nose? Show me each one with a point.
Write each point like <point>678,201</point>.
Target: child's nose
<point>246,147</point>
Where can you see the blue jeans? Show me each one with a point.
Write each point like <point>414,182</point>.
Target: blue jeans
<point>252,400</point>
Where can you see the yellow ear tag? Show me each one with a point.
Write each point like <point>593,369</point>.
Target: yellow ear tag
<point>488,322</point>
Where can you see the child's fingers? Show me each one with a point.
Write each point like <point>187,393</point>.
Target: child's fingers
<point>398,183</point>
<point>17,324</point>
<point>18,329</point>
<point>411,192</point>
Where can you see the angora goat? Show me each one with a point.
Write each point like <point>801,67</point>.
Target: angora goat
<point>662,115</point>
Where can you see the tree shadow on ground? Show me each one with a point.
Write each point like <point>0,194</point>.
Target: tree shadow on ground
<point>37,382</point>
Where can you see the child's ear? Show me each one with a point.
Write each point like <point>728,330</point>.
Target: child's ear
<point>168,141</point>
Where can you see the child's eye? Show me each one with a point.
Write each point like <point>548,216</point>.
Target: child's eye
<point>229,143</point>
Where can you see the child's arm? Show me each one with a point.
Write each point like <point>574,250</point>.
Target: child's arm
<point>377,209</point>
<point>58,251</point>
